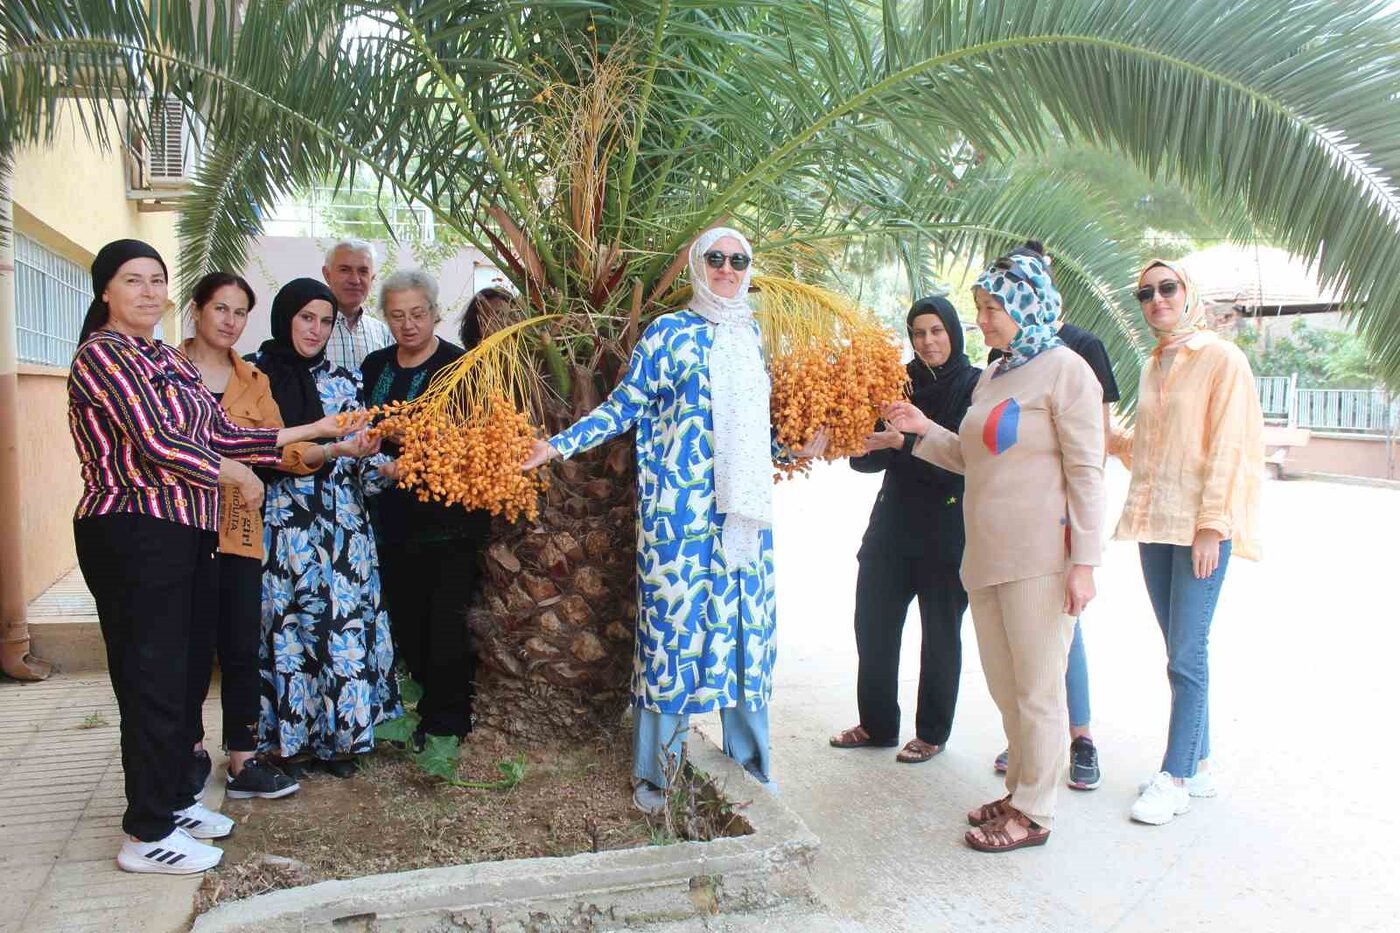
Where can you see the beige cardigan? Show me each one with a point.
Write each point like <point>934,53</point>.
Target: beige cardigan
<point>1032,448</point>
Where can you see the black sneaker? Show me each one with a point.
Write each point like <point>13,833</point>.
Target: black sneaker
<point>198,774</point>
<point>1083,764</point>
<point>260,779</point>
<point>342,768</point>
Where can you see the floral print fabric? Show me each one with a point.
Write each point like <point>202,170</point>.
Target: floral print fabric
<point>1022,285</point>
<point>705,631</point>
<point>327,653</point>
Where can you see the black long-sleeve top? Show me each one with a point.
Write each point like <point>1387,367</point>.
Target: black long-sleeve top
<point>918,513</point>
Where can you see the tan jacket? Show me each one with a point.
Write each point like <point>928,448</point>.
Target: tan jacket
<point>249,403</point>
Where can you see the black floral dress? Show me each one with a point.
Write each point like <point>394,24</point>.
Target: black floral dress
<point>327,652</point>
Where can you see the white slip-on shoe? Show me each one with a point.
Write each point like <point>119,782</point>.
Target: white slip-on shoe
<point>1202,784</point>
<point>203,823</point>
<point>177,854</point>
<point>1161,801</point>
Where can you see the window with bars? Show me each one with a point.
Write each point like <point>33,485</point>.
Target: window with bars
<point>52,294</point>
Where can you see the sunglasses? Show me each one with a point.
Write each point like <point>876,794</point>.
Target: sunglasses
<point>737,261</point>
<point>1167,289</point>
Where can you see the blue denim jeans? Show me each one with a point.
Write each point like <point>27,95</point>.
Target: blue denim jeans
<point>1184,607</point>
<point>1077,681</point>
<point>657,735</point>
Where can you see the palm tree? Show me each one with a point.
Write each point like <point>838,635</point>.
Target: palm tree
<point>581,146</point>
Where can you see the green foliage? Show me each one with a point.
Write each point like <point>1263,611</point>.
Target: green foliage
<point>440,753</point>
<point>580,145</point>
<point>1322,359</point>
<point>397,730</point>
<point>92,721</point>
<point>1168,219</point>
<point>512,773</point>
<point>439,757</point>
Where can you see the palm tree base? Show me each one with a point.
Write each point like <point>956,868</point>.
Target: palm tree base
<point>555,621</point>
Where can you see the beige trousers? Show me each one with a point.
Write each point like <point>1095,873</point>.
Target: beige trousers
<point>1023,637</point>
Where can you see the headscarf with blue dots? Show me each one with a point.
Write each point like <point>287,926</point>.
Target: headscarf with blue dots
<point>1022,285</point>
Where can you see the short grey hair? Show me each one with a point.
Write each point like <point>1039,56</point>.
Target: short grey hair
<point>353,245</point>
<point>411,280</point>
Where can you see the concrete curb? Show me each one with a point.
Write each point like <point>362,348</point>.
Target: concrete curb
<point>1344,480</point>
<point>604,890</point>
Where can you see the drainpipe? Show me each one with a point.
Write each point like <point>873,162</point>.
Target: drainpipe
<point>15,659</point>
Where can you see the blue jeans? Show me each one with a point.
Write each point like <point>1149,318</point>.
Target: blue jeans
<point>1184,607</point>
<point>658,734</point>
<point>1077,681</point>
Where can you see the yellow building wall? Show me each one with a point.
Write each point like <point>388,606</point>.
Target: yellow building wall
<point>71,197</point>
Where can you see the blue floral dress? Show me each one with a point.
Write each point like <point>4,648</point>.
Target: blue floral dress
<point>705,633</point>
<point>327,654</point>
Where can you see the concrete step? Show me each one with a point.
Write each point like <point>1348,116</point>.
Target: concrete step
<point>63,626</point>
<point>73,643</point>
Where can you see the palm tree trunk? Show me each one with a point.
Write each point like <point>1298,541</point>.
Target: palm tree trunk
<point>556,617</point>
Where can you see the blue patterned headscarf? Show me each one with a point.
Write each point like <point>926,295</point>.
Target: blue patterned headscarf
<point>1022,285</point>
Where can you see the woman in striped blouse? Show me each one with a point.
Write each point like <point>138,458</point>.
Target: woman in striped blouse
<point>154,446</point>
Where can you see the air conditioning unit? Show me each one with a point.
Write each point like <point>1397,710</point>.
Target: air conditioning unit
<point>163,152</point>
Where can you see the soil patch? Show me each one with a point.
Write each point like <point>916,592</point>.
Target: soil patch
<point>394,817</point>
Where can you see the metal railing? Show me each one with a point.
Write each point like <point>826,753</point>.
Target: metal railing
<point>1341,411</point>
<point>52,294</point>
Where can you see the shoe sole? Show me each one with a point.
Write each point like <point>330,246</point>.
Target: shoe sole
<point>1153,822</point>
<point>1037,840</point>
<point>262,795</point>
<point>207,833</point>
<point>1081,785</point>
<point>1194,794</point>
<point>141,866</point>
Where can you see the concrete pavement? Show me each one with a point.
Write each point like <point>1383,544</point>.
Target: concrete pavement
<point>1303,668</point>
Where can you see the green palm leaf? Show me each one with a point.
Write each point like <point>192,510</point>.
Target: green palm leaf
<point>838,120</point>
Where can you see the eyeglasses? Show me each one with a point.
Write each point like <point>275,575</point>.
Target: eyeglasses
<point>737,261</point>
<point>1167,289</point>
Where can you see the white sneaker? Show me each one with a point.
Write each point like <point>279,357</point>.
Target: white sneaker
<point>1202,784</point>
<point>1161,801</point>
<point>203,823</point>
<point>176,854</point>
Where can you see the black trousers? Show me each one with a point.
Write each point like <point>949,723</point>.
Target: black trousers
<point>155,583</point>
<point>884,588</point>
<point>238,630</point>
<point>428,587</point>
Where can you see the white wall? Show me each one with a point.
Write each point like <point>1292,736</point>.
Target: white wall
<point>273,261</point>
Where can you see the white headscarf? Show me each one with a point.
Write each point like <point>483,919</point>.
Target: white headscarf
<point>739,390</point>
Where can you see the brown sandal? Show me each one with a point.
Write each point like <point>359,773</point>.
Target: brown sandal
<point>916,751</point>
<point>988,812</point>
<point>857,737</point>
<point>996,834</point>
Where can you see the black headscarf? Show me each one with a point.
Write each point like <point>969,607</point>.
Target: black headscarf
<point>109,259</point>
<point>293,384</point>
<point>940,392</point>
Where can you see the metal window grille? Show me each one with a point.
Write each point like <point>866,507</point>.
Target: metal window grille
<point>51,296</point>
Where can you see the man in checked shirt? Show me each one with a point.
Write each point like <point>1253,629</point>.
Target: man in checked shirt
<point>349,271</point>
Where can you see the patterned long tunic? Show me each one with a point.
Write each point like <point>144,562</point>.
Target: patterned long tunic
<point>705,633</point>
<point>327,654</point>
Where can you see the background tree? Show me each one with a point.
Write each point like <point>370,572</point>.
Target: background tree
<point>581,146</point>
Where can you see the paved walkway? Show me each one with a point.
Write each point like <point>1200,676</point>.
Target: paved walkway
<point>60,817</point>
<point>1303,662</point>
